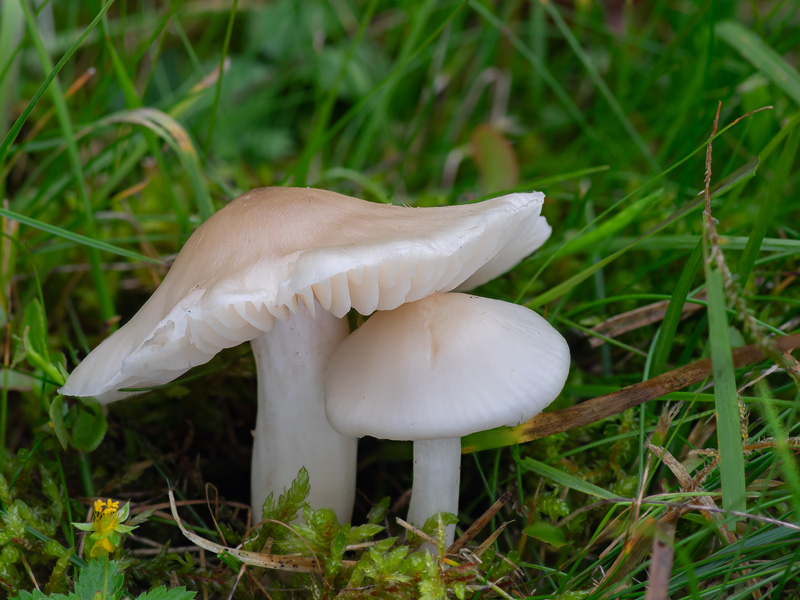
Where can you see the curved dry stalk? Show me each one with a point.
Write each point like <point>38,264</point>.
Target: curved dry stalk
<point>295,563</point>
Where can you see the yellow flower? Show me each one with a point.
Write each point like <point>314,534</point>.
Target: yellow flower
<point>103,509</point>
<point>106,525</point>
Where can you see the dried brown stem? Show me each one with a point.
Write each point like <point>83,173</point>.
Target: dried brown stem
<point>599,408</point>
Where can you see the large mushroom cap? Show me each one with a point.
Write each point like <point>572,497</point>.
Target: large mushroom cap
<point>273,248</point>
<point>444,367</point>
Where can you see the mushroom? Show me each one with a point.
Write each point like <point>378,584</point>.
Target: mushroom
<point>440,368</point>
<point>281,267</point>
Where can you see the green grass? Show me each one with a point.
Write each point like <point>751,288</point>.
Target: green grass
<point>126,124</point>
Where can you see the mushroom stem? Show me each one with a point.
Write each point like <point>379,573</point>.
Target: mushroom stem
<point>292,430</point>
<point>437,473</point>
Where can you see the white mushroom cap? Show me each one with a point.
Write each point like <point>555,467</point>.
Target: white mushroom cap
<point>273,248</point>
<point>444,367</point>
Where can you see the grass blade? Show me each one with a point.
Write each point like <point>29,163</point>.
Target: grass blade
<point>18,124</point>
<point>737,177</point>
<point>76,237</point>
<point>324,112</point>
<point>313,147</point>
<point>601,85</point>
<point>729,437</point>
<point>672,316</point>
<point>218,91</point>
<point>565,479</point>
<point>107,309</point>
<point>537,64</point>
<point>726,401</point>
<point>768,207</point>
<point>761,56</point>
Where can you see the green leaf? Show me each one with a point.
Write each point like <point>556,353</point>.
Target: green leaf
<point>334,562</point>
<point>99,577</point>
<point>547,533</point>
<point>57,421</point>
<point>283,510</point>
<point>34,339</point>
<point>378,512</point>
<point>290,502</point>
<point>362,532</point>
<point>460,590</point>
<point>124,512</point>
<point>163,593</point>
<point>34,326</point>
<point>761,56</point>
<point>89,427</point>
<point>37,595</point>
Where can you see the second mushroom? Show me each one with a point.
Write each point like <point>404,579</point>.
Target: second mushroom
<point>440,368</point>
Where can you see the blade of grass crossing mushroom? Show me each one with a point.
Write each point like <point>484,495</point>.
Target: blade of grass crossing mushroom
<point>761,56</point>
<point>107,309</point>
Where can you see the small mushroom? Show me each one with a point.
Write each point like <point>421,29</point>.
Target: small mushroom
<point>281,267</point>
<point>440,368</point>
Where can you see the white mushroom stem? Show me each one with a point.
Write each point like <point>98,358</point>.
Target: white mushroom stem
<point>292,430</point>
<point>437,474</point>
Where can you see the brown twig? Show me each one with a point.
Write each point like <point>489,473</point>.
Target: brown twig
<point>599,408</point>
<point>478,524</point>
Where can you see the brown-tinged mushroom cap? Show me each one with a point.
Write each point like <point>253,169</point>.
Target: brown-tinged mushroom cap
<point>272,249</point>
